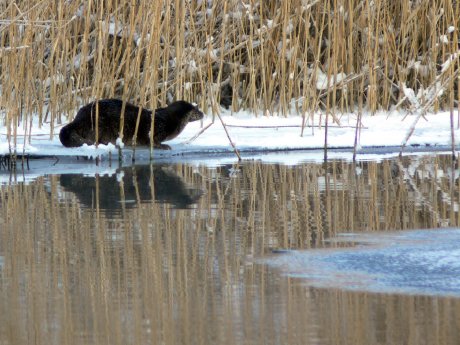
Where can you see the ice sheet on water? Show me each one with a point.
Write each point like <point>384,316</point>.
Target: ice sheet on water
<point>423,262</point>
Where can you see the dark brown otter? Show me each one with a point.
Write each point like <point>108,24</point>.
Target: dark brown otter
<point>169,122</point>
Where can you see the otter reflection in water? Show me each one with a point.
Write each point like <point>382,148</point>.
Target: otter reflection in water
<point>168,188</point>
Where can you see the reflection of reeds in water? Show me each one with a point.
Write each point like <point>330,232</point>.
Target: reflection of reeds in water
<point>155,273</point>
<point>363,318</point>
<point>300,206</point>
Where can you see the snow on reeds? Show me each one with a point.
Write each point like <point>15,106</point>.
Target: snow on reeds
<point>269,57</point>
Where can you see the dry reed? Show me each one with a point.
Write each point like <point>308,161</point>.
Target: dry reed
<point>268,57</point>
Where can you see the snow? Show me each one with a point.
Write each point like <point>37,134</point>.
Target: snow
<point>444,39</point>
<point>410,95</point>
<point>448,62</point>
<point>119,143</point>
<point>261,136</point>
<point>323,83</point>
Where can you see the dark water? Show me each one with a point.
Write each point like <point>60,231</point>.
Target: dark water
<point>249,253</point>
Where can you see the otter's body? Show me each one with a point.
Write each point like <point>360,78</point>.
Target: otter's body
<point>169,122</point>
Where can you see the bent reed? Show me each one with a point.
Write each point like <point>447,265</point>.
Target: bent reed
<point>296,56</point>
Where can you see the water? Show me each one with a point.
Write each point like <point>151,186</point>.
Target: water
<point>246,253</point>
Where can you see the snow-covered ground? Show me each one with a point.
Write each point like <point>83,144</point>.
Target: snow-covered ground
<point>261,137</point>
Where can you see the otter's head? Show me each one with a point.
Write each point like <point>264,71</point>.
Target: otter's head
<point>185,110</point>
<point>69,136</point>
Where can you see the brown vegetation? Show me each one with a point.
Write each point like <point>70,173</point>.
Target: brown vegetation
<point>266,56</point>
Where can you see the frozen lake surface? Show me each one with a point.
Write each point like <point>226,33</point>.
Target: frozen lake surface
<point>425,262</point>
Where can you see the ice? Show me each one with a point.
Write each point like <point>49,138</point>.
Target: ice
<point>262,136</point>
<point>418,262</point>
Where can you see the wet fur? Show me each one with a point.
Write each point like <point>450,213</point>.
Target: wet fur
<point>169,123</point>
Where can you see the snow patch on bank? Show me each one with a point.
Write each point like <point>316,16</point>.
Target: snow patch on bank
<point>259,134</point>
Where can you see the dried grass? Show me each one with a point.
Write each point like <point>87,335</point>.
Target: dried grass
<point>268,57</point>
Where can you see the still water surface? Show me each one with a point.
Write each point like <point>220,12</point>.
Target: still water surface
<point>177,254</point>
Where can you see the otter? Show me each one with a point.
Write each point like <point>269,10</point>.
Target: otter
<point>169,123</point>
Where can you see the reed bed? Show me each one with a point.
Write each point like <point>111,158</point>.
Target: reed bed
<point>276,57</point>
<point>78,269</point>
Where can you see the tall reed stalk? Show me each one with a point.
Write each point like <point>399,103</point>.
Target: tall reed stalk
<point>268,57</point>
